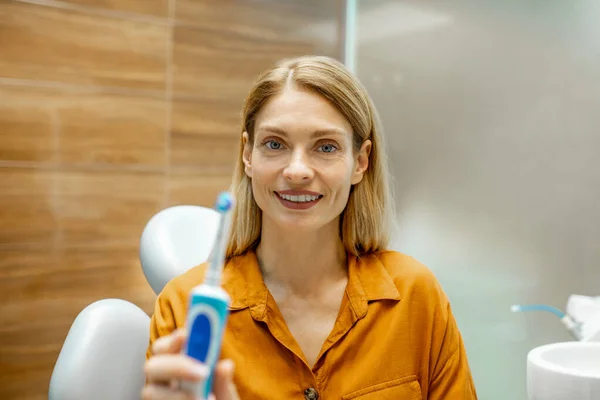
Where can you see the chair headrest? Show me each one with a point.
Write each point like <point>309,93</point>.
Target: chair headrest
<point>175,240</point>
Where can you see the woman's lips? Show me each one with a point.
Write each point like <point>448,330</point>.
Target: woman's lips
<point>298,199</point>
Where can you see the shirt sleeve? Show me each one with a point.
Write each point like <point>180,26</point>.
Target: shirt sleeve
<point>162,322</point>
<point>451,376</point>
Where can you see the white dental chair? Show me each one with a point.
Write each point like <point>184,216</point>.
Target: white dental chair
<point>104,352</point>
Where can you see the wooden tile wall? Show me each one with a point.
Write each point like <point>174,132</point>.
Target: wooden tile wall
<point>111,110</point>
<point>83,126</point>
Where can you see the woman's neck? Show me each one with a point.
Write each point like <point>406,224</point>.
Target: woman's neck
<point>301,262</point>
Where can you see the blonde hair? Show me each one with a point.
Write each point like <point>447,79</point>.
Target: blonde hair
<point>365,222</point>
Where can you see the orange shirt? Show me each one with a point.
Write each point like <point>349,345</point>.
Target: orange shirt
<point>394,338</point>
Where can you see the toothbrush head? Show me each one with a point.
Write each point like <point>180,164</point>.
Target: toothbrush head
<point>224,202</point>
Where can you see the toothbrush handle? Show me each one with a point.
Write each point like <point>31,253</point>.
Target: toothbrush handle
<point>207,317</point>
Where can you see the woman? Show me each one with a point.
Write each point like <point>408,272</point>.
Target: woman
<point>320,307</point>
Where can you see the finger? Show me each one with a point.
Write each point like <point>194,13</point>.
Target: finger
<point>169,344</point>
<point>165,367</point>
<point>223,385</point>
<point>155,392</point>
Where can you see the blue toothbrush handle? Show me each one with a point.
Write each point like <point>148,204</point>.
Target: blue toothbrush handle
<point>207,317</point>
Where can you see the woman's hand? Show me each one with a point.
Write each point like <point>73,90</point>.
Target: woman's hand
<point>168,366</point>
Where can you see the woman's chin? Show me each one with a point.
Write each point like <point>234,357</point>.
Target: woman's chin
<point>296,224</point>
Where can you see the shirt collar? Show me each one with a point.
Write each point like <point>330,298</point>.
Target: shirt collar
<point>368,280</point>
<point>243,281</point>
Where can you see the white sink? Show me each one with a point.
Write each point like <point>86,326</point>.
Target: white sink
<point>564,371</point>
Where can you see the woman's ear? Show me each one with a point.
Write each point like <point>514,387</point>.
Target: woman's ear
<point>247,154</point>
<point>361,162</point>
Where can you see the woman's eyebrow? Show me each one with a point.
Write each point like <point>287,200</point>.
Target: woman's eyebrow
<point>316,134</point>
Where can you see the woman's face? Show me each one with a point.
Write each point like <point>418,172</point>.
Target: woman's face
<point>302,163</point>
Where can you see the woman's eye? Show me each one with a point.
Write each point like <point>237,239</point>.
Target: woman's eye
<point>327,148</point>
<point>273,145</point>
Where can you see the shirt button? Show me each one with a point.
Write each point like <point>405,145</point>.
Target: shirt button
<point>311,394</point>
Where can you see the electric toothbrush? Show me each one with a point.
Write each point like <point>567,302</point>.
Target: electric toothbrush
<point>208,305</point>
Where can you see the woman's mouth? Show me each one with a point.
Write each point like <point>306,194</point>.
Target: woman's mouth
<point>299,201</point>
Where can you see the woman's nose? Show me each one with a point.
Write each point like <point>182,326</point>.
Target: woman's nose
<point>298,169</point>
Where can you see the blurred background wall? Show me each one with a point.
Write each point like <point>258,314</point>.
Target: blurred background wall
<point>492,113</point>
<point>111,110</point>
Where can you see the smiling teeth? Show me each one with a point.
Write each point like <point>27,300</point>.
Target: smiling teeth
<point>298,199</point>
